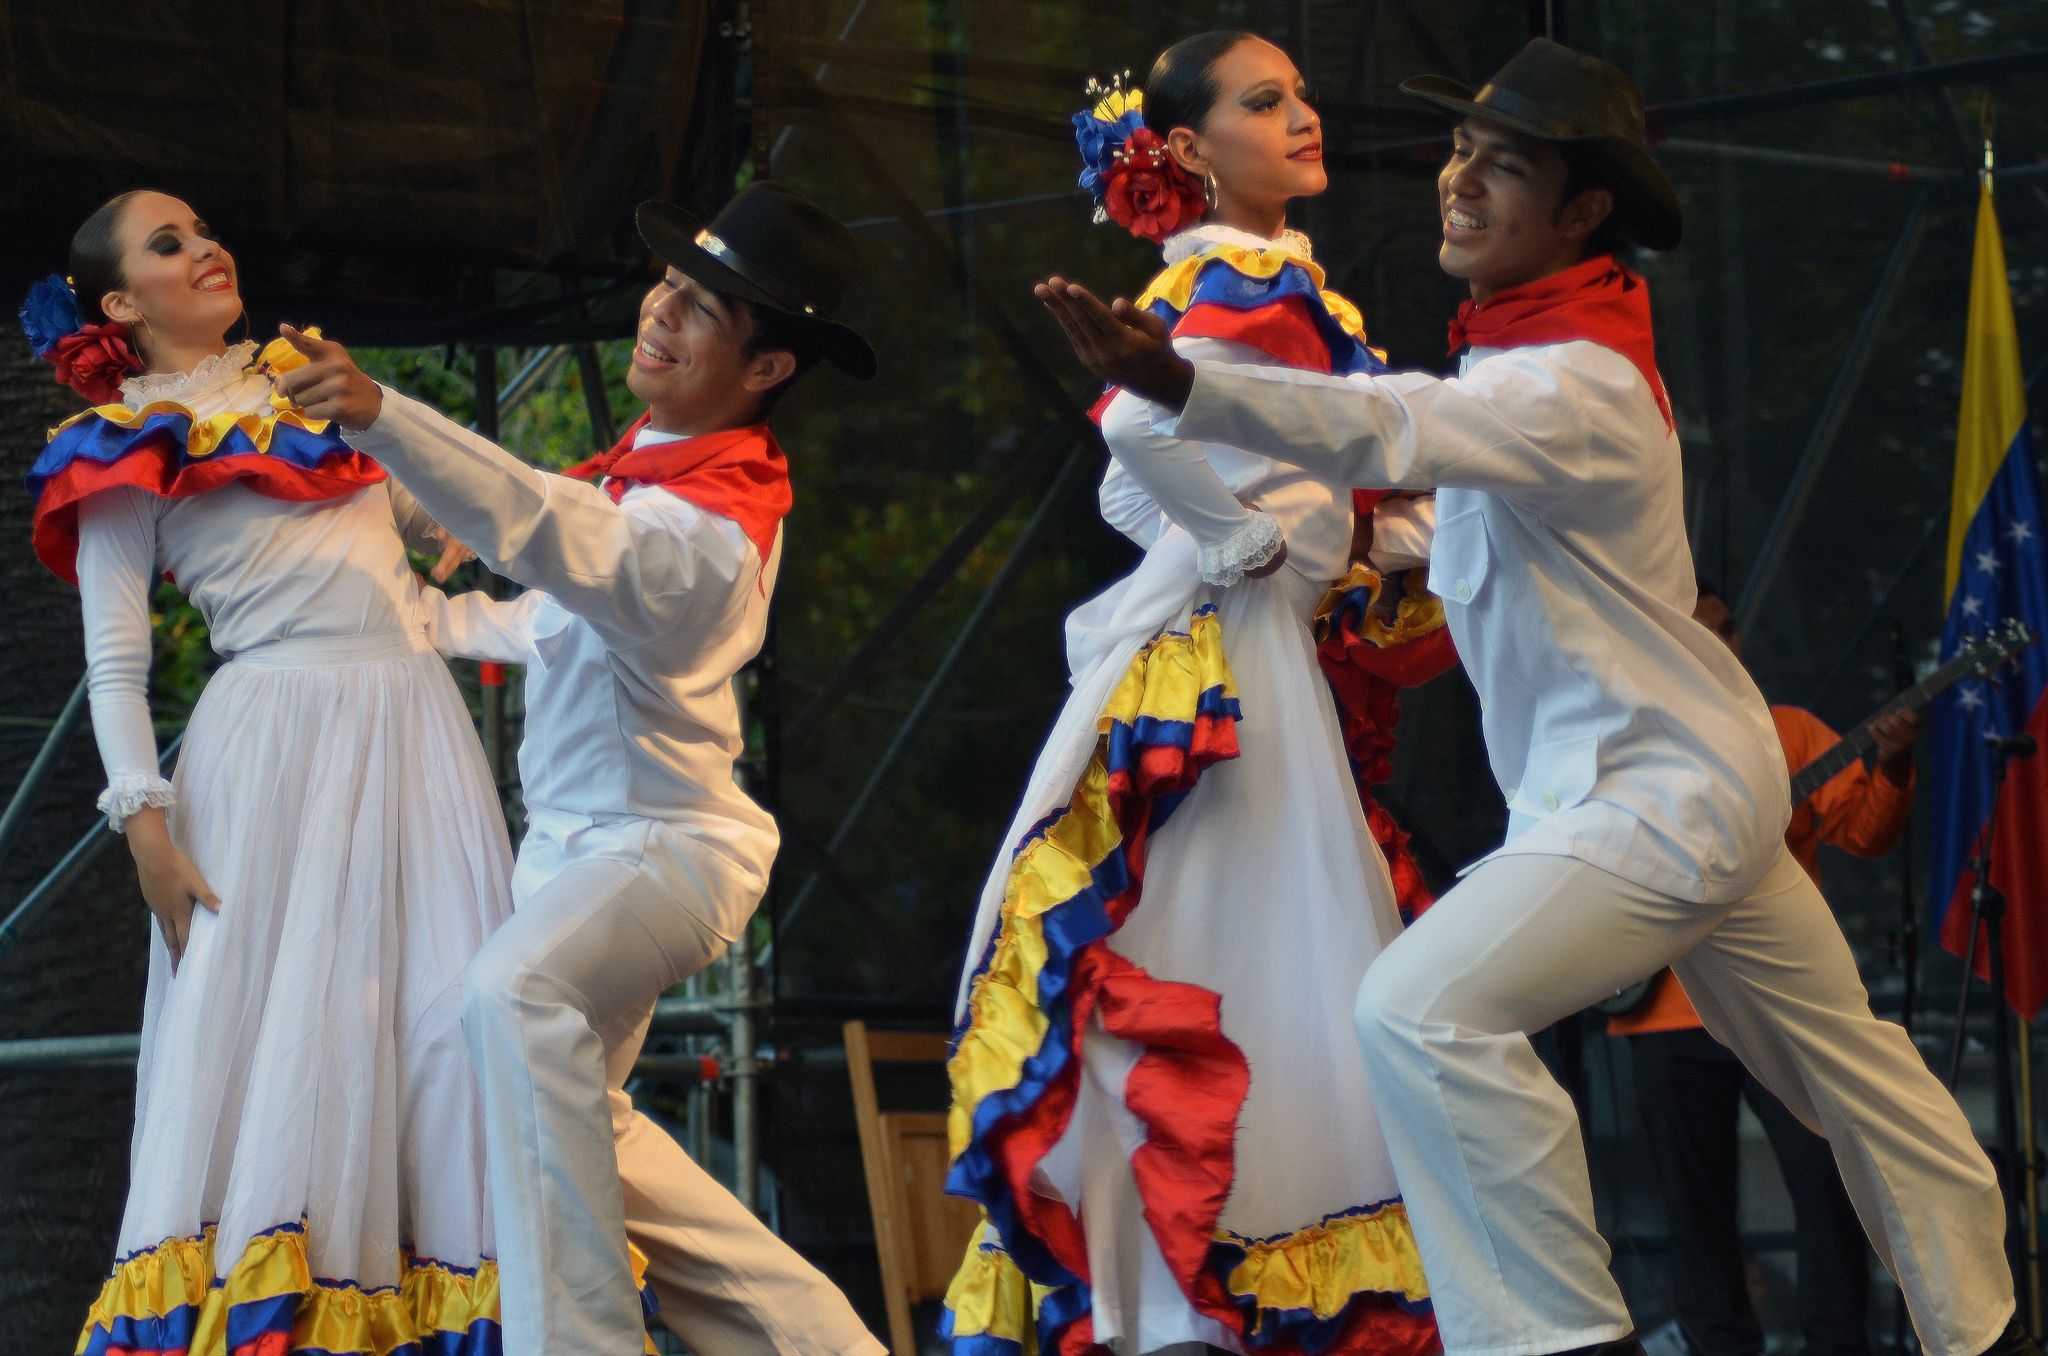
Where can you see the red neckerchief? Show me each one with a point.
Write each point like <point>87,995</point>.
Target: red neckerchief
<point>1599,300</point>
<point>736,473</point>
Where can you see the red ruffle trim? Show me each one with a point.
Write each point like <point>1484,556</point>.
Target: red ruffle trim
<point>1284,330</point>
<point>156,470</point>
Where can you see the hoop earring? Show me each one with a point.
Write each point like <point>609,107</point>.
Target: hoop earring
<point>1209,192</point>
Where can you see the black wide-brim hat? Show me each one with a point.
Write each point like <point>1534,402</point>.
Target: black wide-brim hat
<point>770,247</point>
<point>1552,93</point>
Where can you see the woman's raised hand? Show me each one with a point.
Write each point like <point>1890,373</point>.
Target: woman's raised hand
<point>330,385</point>
<point>1121,344</point>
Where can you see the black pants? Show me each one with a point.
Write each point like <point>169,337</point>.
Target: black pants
<point>1687,1086</point>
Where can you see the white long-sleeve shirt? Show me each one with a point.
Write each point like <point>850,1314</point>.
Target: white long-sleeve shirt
<point>1146,487</point>
<point>1620,731</point>
<point>640,614</point>
<point>258,569</point>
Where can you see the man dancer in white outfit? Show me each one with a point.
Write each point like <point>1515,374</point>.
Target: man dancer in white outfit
<point>642,859</point>
<point>1646,794</point>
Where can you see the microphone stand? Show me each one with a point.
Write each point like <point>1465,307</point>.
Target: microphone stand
<point>1907,940</point>
<point>1987,916</point>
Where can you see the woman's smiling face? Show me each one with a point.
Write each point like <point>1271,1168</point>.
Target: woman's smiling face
<point>179,286</point>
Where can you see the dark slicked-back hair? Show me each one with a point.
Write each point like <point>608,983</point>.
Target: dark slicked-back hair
<point>1182,87</point>
<point>96,257</point>
<point>772,330</point>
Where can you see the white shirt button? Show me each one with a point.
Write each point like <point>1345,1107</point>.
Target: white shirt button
<point>1550,800</point>
<point>1464,591</point>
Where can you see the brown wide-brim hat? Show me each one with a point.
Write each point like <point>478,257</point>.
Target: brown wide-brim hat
<point>1552,93</point>
<point>771,247</point>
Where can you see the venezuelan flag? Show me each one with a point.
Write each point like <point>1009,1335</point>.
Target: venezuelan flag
<point>1995,570</point>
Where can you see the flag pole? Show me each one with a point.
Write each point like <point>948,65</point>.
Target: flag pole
<point>2030,1166</point>
<point>2030,1238</point>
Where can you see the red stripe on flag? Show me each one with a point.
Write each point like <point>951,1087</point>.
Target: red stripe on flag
<point>2019,868</point>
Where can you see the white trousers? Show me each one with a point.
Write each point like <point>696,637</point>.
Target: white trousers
<point>1487,1145</point>
<point>555,1008</point>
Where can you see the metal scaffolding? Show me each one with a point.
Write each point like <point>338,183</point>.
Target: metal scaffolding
<point>713,1032</point>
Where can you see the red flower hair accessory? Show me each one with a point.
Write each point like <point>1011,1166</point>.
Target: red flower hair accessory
<point>1148,193</point>
<point>95,360</point>
<point>91,359</point>
<point>1125,165</point>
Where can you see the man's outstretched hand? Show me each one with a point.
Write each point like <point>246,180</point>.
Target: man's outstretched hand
<point>1121,344</point>
<point>330,385</point>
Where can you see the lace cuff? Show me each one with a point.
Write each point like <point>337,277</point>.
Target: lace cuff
<point>129,792</point>
<point>1247,548</point>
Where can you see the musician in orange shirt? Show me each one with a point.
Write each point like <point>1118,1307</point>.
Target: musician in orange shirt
<point>1687,1083</point>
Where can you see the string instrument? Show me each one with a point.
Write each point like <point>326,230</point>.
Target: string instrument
<point>1978,659</point>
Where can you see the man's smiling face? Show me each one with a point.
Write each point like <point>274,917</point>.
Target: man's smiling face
<point>1500,197</point>
<point>690,355</point>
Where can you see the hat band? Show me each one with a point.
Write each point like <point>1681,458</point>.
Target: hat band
<point>1522,108</point>
<point>723,253</point>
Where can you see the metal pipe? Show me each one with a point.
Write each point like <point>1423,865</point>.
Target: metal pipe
<point>594,398</point>
<point>1848,379</point>
<point>486,424</point>
<point>1907,570</point>
<point>984,608</point>
<point>24,798</point>
<point>527,379</point>
<point>69,868</point>
<point>2030,1224</point>
<point>1849,87</point>
<point>746,1079</point>
<point>71,1051</point>
<point>1894,171</point>
<point>889,630</point>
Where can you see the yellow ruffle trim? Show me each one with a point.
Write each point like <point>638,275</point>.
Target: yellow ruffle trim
<point>210,432</point>
<point>1005,1025</point>
<point>1175,285</point>
<point>1317,1270</point>
<point>333,1317</point>
<point>1418,613</point>
<point>1322,1268</point>
<point>990,1297</point>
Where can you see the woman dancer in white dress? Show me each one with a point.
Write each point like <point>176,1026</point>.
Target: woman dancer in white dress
<point>1157,1095</point>
<point>307,1170</point>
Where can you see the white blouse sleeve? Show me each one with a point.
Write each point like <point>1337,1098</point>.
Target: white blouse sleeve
<point>474,625</point>
<point>1403,529</point>
<point>416,527</point>
<point>1127,508</point>
<point>1178,479</point>
<point>116,564</point>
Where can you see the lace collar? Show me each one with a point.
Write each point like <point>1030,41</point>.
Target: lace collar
<point>1186,244</point>
<point>212,372</point>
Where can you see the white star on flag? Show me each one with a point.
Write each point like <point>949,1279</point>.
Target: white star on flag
<point>1970,698</point>
<point>1972,605</point>
<point>2019,531</point>
<point>1988,562</point>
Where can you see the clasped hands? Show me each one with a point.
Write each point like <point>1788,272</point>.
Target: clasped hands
<point>330,386</point>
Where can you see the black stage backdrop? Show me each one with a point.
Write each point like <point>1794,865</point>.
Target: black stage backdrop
<point>445,175</point>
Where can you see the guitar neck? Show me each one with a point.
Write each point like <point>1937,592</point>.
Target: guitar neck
<point>1860,741</point>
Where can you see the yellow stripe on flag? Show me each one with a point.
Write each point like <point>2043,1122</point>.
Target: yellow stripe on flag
<point>1994,397</point>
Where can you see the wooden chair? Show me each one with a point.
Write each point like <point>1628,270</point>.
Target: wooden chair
<point>920,1232</point>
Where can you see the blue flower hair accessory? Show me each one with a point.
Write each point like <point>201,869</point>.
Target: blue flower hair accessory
<point>1114,114</point>
<point>1125,165</point>
<point>49,313</point>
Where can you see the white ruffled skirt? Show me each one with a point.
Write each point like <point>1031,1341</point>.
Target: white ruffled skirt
<point>308,1151</point>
